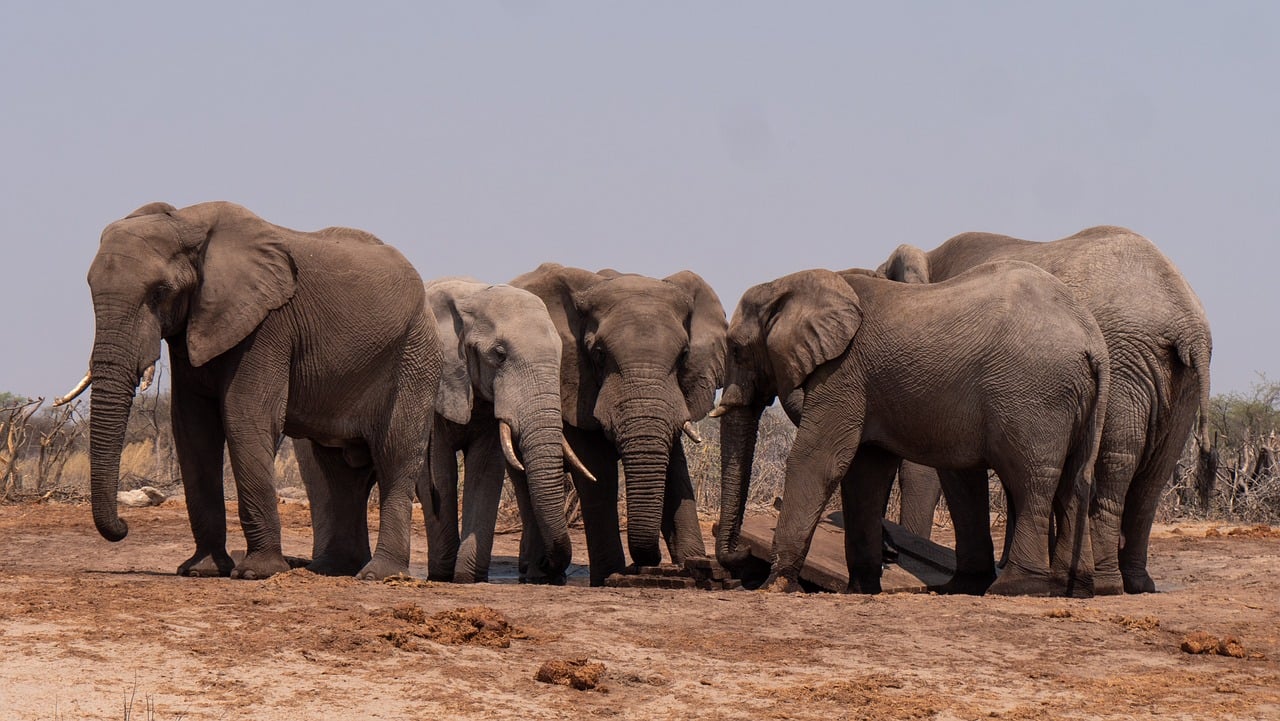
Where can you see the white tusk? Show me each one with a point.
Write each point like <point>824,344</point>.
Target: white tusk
<point>147,376</point>
<point>83,384</point>
<point>574,461</point>
<point>508,450</point>
<point>718,411</point>
<point>690,431</point>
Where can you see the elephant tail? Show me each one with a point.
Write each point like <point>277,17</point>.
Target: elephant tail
<point>1084,457</point>
<point>1195,356</point>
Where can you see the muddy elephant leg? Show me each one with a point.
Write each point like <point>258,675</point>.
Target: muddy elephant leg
<point>198,440</point>
<point>680,525</point>
<point>919,490</point>
<point>339,498</point>
<point>968,501</point>
<point>1123,441</point>
<point>864,491</point>
<point>599,502</point>
<point>484,466</point>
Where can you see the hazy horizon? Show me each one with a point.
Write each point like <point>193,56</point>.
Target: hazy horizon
<point>742,141</point>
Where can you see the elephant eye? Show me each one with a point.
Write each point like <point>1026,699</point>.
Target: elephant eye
<point>499,353</point>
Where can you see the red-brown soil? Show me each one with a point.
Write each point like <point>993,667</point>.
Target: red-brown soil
<point>85,625</point>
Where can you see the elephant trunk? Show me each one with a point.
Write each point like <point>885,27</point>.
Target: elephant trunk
<point>540,445</point>
<point>738,431</point>
<point>644,441</point>
<point>115,376</point>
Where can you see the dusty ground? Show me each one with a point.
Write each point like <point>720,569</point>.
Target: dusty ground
<point>86,625</point>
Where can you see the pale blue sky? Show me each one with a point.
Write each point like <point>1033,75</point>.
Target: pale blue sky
<point>741,140</point>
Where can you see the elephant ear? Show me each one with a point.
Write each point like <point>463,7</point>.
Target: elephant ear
<point>907,264</point>
<point>702,370</point>
<point>245,272</point>
<point>810,318</point>
<point>455,397</point>
<point>556,285</point>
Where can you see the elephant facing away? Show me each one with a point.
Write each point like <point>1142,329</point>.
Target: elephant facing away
<point>1159,342</point>
<point>499,404</point>
<point>271,332</point>
<point>1000,368</point>
<point>641,360</point>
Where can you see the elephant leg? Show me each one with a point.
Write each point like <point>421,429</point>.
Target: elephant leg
<point>864,491</point>
<point>1147,486</point>
<point>680,525</point>
<point>1032,487</point>
<point>919,490</point>
<point>398,466</point>
<point>1124,438</point>
<point>253,461</point>
<point>968,501</point>
<point>438,492</point>
<point>339,496</point>
<point>198,440</point>
<point>1070,550</point>
<point>1010,522</point>
<point>484,466</point>
<point>599,502</point>
<point>824,447</point>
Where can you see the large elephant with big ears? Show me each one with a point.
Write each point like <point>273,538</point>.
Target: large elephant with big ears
<point>1158,337</point>
<point>271,332</point>
<point>873,371</point>
<point>642,359</point>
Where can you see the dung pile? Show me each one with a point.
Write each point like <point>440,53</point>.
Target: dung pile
<point>1201,642</point>
<point>475,626</point>
<point>575,673</point>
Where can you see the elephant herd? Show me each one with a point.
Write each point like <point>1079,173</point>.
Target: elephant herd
<point>1072,368</point>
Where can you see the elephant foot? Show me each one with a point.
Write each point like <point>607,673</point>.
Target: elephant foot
<point>207,565</point>
<point>1107,584</point>
<point>866,581</point>
<point>336,565</point>
<point>380,568</point>
<point>1139,582</point>
<point>470,577</point>
<point>966,583</point>
<point>781,584</point>
<point>260,564</point>
<point>1017,581</point>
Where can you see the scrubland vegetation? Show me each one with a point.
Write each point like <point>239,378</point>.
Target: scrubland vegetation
<point>44,454</point>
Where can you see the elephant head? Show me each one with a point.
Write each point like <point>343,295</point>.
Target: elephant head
<point>642,359</point>
<point>202,278</point>
<point>499,344</point>
<point>781,333</point>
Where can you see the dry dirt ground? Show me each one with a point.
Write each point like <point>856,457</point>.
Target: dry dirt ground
<point>86,625</point>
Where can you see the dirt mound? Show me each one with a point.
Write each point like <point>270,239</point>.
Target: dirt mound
<point>575,673</point>
<point>1201,642</point>
<point>475,626</point>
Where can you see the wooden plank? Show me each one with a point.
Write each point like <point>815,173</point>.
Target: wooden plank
<point>825,565</point>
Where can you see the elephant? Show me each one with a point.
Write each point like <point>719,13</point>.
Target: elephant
<point>272,332</point>
<point>499,389</point>
<point>641,361</point>
<point>1158,337</point>
<point>999,368</point>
